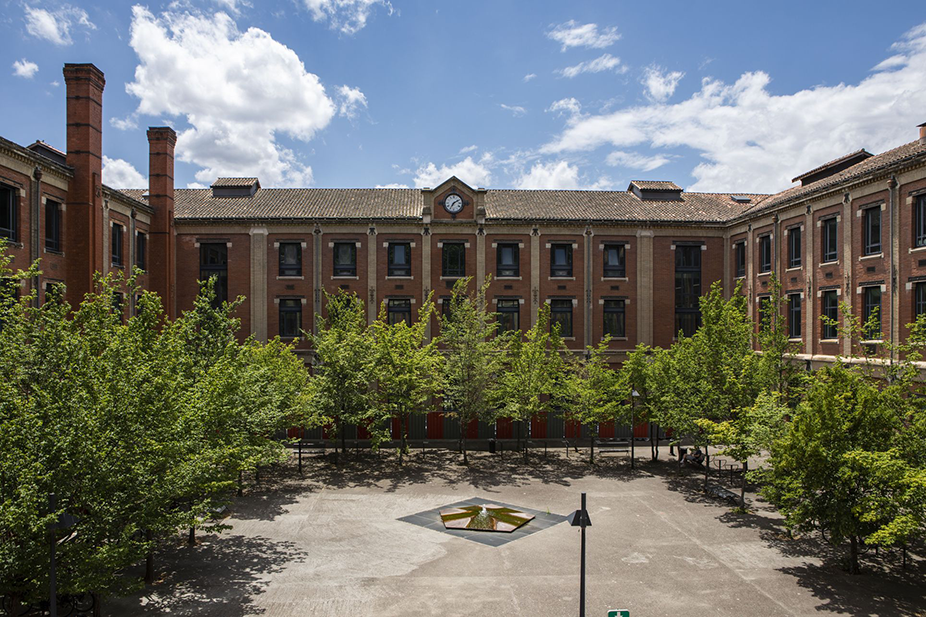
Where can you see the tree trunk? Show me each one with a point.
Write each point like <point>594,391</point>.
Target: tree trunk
<point>403,421</point>
<point>463,428</point>
<point>853,555</point>
<point>653,444</point>
<point>241,483</point>
<point>591,449</point>
<point>343,439</point>
<point>14,604</point>
<point>707,466</point>
<point>191,540</point>
<point>743,486</point>
<point>149,560</point>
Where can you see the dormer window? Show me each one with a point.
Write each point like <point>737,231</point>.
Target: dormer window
<point>235,187</point>
<point>656,190</point>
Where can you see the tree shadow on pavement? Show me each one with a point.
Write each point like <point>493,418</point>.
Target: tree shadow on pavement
<point>219,577</point>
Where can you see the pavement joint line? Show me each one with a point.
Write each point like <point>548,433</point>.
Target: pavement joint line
<point>707,550</point>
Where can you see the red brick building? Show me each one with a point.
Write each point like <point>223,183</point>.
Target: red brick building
<point>628,263</point>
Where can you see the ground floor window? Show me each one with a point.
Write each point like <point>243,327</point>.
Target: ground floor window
<point>509,315</point>
<point>561,314</point>
<point>400,309</point>
<point>290,317</point>
<point>614,318</point>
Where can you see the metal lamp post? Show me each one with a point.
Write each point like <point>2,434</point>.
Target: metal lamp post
<point>633,401</point>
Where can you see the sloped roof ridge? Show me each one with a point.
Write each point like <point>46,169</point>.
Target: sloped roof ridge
<point>836,161</point>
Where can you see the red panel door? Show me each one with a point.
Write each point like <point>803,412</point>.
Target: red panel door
<point>472,429</point>
<point>362,431</point>
<point>606,430</point>
<point>573,429</point>
<point>538,427</point>
<point>435,425</point>
<point>641,430</point>
<point>504,428</point>
<point>294,432</point>
<point>396,428</point>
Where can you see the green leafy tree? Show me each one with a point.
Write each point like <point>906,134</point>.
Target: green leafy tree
<point>532,374</point>
<point>592,392</point>
<point>343,371</point>
<point>473,358</point>
<point>407,370</point>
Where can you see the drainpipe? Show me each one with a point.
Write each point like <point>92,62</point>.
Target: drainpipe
<point>892,192</point>
<point>35,231</point>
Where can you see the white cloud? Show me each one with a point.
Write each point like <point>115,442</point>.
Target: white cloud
<point>568,106</point>
<point>468,149</point>
<point>635,160</point>
<point>348,16</point>
<point>659,84</point>
<point>124,124</point>
<point>750,139</point>
<point>474,173</point>
<point>605,62</point>
<point>392,186</point>
<point>25,68</point>
<point>233,6</point>
<point>529,77</point>
<point>236,90</point>
<point>572,34</point>
<point>516,110</point>
<point>552,175</point>
<point>120,174</point>
<point>351,100</point>
<point>55,26</point>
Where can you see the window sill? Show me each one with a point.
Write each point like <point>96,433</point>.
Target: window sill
<point>53,252</point>
<point>873,342</point>
<point>796,340</point>
<point>507,278</point>
<point>562,278</point>
<point>400,278</point>
<point>120,266</point>
<point>451,278</point>
<point>827,264</point>
<point>829,340</point>
<point>872,256</point>
<point>618,338</point>
<point>795,269</point>
<point>291,278</point>
<point>918,249</point>
<point>346,278</point>
<point>614,278</point>
<point>765,273</point>
<point>13,243</point>
<point>567,338</point>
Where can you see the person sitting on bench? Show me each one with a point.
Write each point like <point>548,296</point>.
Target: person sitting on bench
<point>695,458</point>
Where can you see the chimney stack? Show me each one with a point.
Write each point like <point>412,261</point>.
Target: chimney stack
<point>84,229</point>
<point>923,132</point>
<point>161,142</point>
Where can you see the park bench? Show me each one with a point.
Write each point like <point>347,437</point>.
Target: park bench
<point>715,490</point>
<point>613,446</point>
<point>309,448</point>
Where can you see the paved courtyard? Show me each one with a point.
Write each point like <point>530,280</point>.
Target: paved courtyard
<point>330,542</point>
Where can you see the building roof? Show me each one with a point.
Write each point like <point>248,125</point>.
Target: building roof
<point>655,185</point>
<point>235,182</point>
<point>843,161</point>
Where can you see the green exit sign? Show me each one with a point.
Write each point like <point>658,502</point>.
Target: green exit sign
<point>620,612</point>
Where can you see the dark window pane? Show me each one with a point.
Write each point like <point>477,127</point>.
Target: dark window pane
<point>117,244</point>
<point>794,247</point>
<point>614,265</point>
<point>687,288</point>
<point>141,250</point>
<point>290,317</point>
<point>290,259</point>
<point>871,309</point>
<point>52,225</point>
<point>919,223</point>
<point>453,258</point>
<point>794,315</point>
<point>829,238</point>
<point>506,257</point>
<point>740,259</point>
<point>213,262</point>
<point>614,318</point>
<point>919,300</point>
<point>400,259</point>
<point>872,232</point>
<point>561,314</point>
<point>345,259</point>
<point>509,315</point>
<point>9,219</point>
<point>561,260</point>
<point>400,310</point>
<point>830,310</point>
<point>765,254</point>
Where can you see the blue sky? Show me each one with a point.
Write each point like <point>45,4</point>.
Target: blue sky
<point>716,96</point>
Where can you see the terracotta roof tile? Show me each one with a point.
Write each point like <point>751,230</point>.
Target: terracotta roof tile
<point>234,182</point>
<point>655,185</point>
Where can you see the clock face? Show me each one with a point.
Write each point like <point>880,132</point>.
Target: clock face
<point>453,203</point>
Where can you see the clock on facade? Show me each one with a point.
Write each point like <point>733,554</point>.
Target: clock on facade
<point>453,203</point>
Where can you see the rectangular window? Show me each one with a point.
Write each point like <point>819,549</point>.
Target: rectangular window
<point>831,311</point>
<point>400,309</point>
<point>614,261</point>
<point>687,289</point>
<point>614,318</point>
<point>52,226</point>
<point>829,239</point>
<point>794,315</point>
<point>119,305</point>
<point>453,259</point>
<point>141,250</point>
<point>561,314</point>
<point>290,317</point>
<point>765,253</point>
<point>871,236</point>
<point>919,221</point>
<point>54,292</point>
<point>213,262</point>
<point>509,315</point>
<point>794,247</point>
<point>507,261</point>
<point>290,259</point>
<point>9,215</point>
<point>919,300</point>
<point>345,259</point>
<point>740,259</point>
<point>765,312</point>
<point>561,260</point>
<point>116,241</point>
<point>871,309</point>
<point>400,259</point>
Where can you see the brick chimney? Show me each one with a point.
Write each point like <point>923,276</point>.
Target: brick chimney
<point>161,142</point>
<point>922,128</point>
<point>84,228</point>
